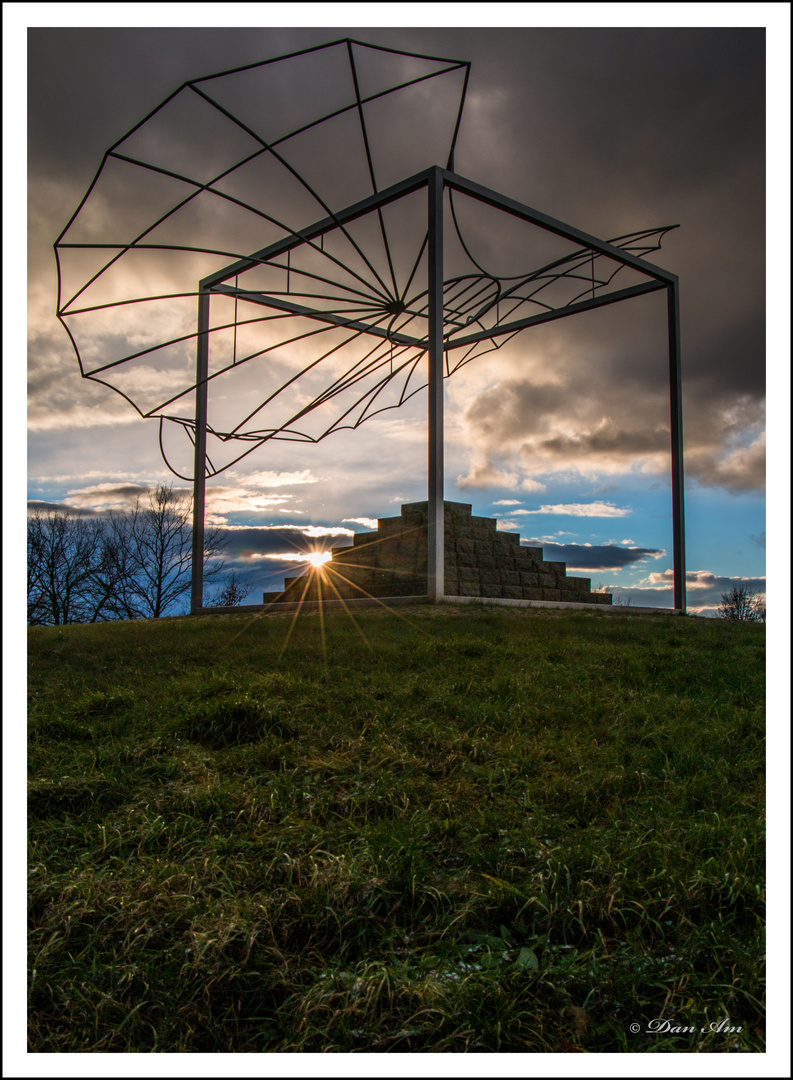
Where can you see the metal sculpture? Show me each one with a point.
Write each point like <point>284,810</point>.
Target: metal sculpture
<point>353,305</point>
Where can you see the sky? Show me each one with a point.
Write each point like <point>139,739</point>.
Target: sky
<point>562,434</point>
<point>609,129</point>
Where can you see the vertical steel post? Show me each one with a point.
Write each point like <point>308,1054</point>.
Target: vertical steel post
<point>435,588</point>
<point>676,415</point>
<point>199,468</point>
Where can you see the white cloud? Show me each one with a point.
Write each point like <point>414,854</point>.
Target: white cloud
<point>267,478</point>
<point>231,500</point>
<point>324,530</point>
<point>306,530</point>
<point>738,467</point>
<point>108,475</point>
<point>596,509</point>
<point>41,417</point>
<point>289,556</point>
<point>507,502</point>
<point>483,474</point>
<point>369,523</point>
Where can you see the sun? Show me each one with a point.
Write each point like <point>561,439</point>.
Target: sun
<point>317,559</point>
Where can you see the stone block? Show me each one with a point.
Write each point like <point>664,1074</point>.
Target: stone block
<point>551,594</point>
<point>532,594</point>
<point>411,548</point>
<point>510,577</point>
<point>464,544</point>
<point>508,539</point>
<point>465,558</point>
<point>390,525</point>
<point>482,535</point>
<point>490,577</point>
<point>548,581</point>
<point>467,573</point>
<point>463,534</point>
<point>388,550</point>
<point>533,552</point>
<point>413,519</point>
<point>487,525</point>
<point>558,568</point>
<point>529,579</point>
<point>470,588</point>
<point>578,584</point>
<point>512,592</point>
<point>457,510</point>
<point>451,588</point>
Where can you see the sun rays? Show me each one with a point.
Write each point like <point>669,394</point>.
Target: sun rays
<point>322,586</point>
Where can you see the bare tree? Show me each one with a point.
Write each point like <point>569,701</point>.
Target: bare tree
<point>233,592</point>
<point>131,565</point>
<point>153,544</point>
<point>64,556</point>
<point>742,604</point>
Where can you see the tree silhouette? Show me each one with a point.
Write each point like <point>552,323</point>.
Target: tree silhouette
<point>130,565</point>
<point>742,604</point>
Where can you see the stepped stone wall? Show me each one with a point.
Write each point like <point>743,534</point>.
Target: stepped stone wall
<point>479,560</point>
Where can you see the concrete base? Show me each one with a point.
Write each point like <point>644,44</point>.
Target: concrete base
<point>391,601</point>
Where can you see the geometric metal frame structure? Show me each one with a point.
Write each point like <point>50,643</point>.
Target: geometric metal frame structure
<point>390,307</point>
<point>442,340</point>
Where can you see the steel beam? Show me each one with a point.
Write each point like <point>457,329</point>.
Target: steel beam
<point>550,224</point>
<point>435,415</point>
<point>676,426</point>
<point>557,313</point>
<point>317,316</point>
<point>359,209</point>
<point>199,467</point>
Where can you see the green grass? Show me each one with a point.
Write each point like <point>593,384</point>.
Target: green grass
<point>430,830</point>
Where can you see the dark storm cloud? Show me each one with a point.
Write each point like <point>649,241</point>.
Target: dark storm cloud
<point>594,556</point>
<point>608,129</point>
<point>247,545</point>
<point>38,506</point>
<point>263,557</point>
<point>103,499</point>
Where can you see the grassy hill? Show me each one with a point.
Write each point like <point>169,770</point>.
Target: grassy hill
<point>428,829</point>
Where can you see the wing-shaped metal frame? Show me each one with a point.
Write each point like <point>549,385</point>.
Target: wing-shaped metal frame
<point>378,319</point>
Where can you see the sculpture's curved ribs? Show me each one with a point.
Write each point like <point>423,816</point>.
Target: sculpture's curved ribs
<point>346,307</point>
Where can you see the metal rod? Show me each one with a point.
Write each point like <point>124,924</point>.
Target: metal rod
<point>557,313</point>
<point>317,315</point>
<point>327,224</point>
<point>199,468</point>
<point>435,415</point>
<point>676,417</point>
<point>545,221</point>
